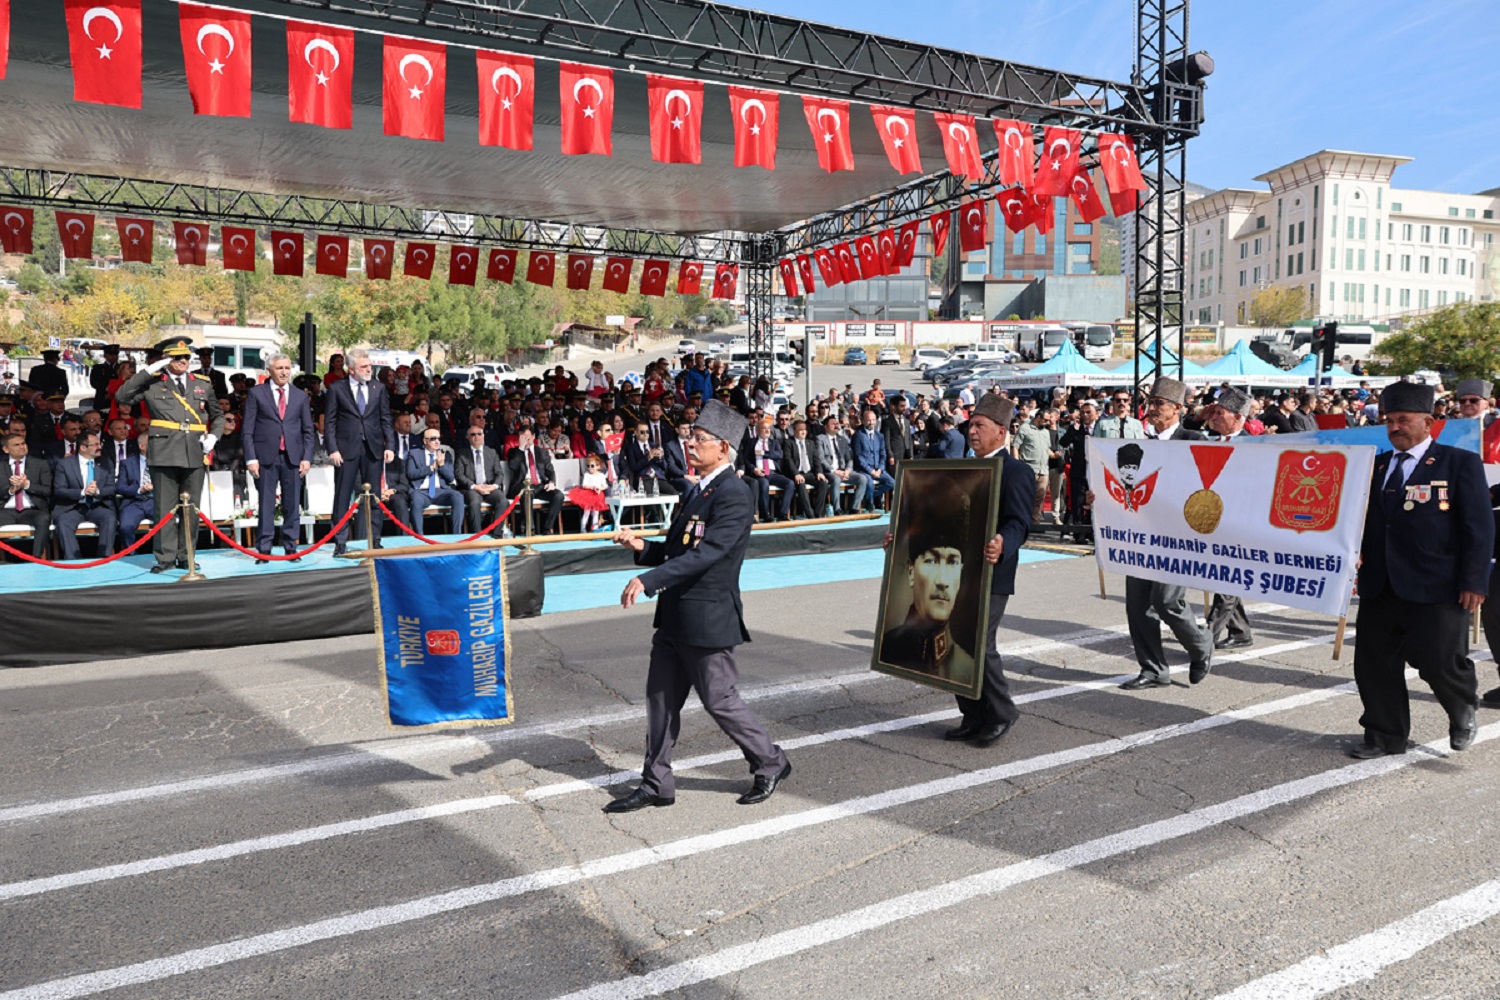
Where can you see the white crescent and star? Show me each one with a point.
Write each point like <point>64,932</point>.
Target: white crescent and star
<point>420,60</point>
<point>580,265</point>
<point>754,102</point>
<point>588,82</point>
<point>830,113</point>
<point>327,46</point>
<point>971,213</point>
<point>110,16</point>
<point>1307,464</point>
<point>957,130</point>
<point>1116,147</point>
<point>897,141</point>
<point>543,259</point>
<point>75,222</point>
<point>1020,206</point>
<point>420,254</point>
<point>657,270</point>
<point>677,95</point>
<point>886,241</point>
<point>192,234</point>
<point>289,245</point>
<point>239,240</point>
<point>1016,147</point>
<point>692,270</point>
<point>1081,187</point>
<point>464,260</point>
<point>1052,152</point>
<point>378,251</point>
<point>616,268</point>
<point>211,30</point>
<point>20,221</point>
<point>332,249</point>
<point>507,73</point>
<point>138,228</point>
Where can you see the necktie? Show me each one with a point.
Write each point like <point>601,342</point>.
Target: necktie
<point>120,455</point>
<point>478,466</point>
<point>655,441</point>
<point>90,474</point>
<point>20,494</point>
<point>531,464</point>
<point>182,386</point>
<point>693,493</point>
<point>1395,480</point>
<point>68,449</point>
<point>432,483</point>
<point>281,412</point>
<point>359,395</point>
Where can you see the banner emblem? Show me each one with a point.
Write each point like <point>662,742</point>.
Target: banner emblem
<point>1307,490</point>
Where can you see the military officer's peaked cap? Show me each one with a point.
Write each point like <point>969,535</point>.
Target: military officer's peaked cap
<point>721,421</point>
<point>1407,397</point>
<point>205,350</point>
<point>175,347</point>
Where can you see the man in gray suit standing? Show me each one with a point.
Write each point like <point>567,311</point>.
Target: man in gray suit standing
<point>699,617</point>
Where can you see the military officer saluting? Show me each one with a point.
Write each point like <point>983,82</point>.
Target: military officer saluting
<point>185,425</point>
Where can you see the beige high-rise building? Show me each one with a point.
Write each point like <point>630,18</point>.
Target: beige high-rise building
<point>1332,225</point>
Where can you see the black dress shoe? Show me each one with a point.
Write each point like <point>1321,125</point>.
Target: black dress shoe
<point>1146,681</point>
<point>1462,730</point>
<point>990,735</point>
<point>1491,698</point>
<point>1234,642</point>
<point>339,550</point>
<point>764,787</point>
<point>1369,751</point>
<point>965,731</point>
<point>638,799</point>
<point>1198,671</point>
<point>161,567</point>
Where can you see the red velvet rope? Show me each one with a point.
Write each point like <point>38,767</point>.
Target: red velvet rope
<point>433,541</point>
<point>214,529</point>
<point>97,562</point>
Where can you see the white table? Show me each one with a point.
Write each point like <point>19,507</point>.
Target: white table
<point>666,501</point>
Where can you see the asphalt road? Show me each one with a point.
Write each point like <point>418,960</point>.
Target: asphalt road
<point>242,823</point>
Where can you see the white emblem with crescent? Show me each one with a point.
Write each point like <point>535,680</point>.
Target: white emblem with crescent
<point>20,220</point>
<point>420,254</point>
<point>580,266</point>
<point>616,268</point>
<point>587,82</point>
<point>108,15</point>
<point>239,240</point>
<point>957,131</point>
<point>654,271</point>
<point>192,234</point>
<point>215,29</point>
<point>378,251</point>
<point>974,211</point>
<point>1052,147</point>
<point>75,222</point>
<point>1013,131</point>
<point>464,260</point>
<point>315,45</point>
<point>419,59</point>
<point>673,95</point>
<point>289,244</point>
<point>829,112</point>
<point>509,74</point>
<point>544,258</point>
<point>331,249</point>
<point>134,226</point>
<point>896,120</point>
<point>754,102</point>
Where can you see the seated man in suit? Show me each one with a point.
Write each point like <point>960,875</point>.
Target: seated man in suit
<point>674,457</point>
<point>761,461</point>
<point>480,474</point>
<point>27,496</point>
<point>83,489</point>
<point>870,457</point>
<point>801,465</point>
<point>134,500</point>
<point>430,473</point>
<point>530,465</point>
<point>396,492</point>
<point>837,457</point>
<point>647,461</point>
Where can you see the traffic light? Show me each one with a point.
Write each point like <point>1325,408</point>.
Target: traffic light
<point>807,351</point>
<point>1325,343</point>
<point>307,344</point>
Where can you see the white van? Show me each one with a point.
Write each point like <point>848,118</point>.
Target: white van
<point>924,358</point>
<point>993,350</point>
<point>783,365</point>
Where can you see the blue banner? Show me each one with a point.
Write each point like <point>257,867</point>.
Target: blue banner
<point>442,624</point>
<point>1465,434</point>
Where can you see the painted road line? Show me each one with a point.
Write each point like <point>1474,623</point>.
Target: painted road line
<point>915,904</point>
<point>212,956</point>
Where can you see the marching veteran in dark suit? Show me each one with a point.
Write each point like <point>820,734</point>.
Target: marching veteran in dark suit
<point>185,424</point>
<point>699,617</point>
<point>1424,570</point>
<point>278,440</point>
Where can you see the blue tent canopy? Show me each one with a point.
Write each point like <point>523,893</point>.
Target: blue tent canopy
<point>1169,361</point>
<point>1241,362</point>
<point>1067,361</point>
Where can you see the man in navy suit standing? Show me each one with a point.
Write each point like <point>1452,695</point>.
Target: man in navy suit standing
<point>699,617</point>
<point>1425,567</point>
<point>361,441</point>
<point>278,438</point>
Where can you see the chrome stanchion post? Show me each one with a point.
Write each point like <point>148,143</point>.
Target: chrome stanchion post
<point>189,529</point>
<point>365,498</point>
<point>526,502</point>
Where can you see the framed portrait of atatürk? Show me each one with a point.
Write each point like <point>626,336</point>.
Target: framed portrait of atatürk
<point>934,596</point>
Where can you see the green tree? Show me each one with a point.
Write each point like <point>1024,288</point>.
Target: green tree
<point>1278,307</point>
<point>32,280</point>
<point>1463,338</point>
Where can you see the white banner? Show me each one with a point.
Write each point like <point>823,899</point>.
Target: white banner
<point>1273,523</point>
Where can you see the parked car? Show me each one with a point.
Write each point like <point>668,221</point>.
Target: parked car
<point>687,347</point>
<point>926,357</point>
<point>856,356</point>
<point>888,356</point>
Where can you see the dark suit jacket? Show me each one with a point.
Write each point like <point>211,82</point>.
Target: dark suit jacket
<point>216,379</point>
<point>419,466</point>
<point>899,441</point>
<point>638,459</point>
<point>698,581</point>
<point>347,430</point>
<point>789,460</point>
<point>869,453</point>
<point>676,458</point>
<point>128,478</point>
<point>463,469</point>
<point>1017,495</point>
<point>750,462</point>
<point>67,484</point>
<point>949,445</point>
<point>519,474</point>
<point>38,471</point>
<point>1427,555</point>
<point>264,429</point>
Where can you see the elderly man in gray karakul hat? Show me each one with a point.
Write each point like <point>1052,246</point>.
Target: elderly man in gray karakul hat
<point>1224,420</point>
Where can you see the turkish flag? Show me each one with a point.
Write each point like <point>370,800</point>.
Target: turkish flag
<point>507,96</point>
<point>828,267</point>
<point>885,242</point>
<point>192,243</point>
<point>1085,195</point>
<point>939,223</point>
<point>1059,161</point>
<point>1043,212</point>
<point>580,271</point>
<point>216,55</point>
<point>237,248</point>
<point>539,267</point>
<point>617,274</point>
<point>870,265</point>
<point>1016,152</point>
<point>15,235</point>
<point>906,244</point>
<point>320,74</point>
<point>286,253</point>
<point>1122,172</point>
<point>689,278</point>
<point>4,36</point>
<point>805,269</point>
<point>726,279</point>
<point>960,144</point>
<point>332,257</point>
<point>463,265</point>
<point>788,277</point>
<point>676,110</point>
<point>654,278</point>
<point>1016,206</point>
<point>104,39</point>
<point>829,121</point>
<point>757,114</point>
<point>416,80</point>
<point>419,260</point>
<point>898,131</point>
<point>971,225</point>
<point>587,96</point>
<point>380,255</point>
<point>502,265</point>
<point>848,262</point>
<point>136,237</point>
<point>76,230</point>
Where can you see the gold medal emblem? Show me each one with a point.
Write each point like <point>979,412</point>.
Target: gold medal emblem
<point>1408,506</point>
<point>1203,510</point>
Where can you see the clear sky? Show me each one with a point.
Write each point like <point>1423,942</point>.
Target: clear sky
<point>1418,78</point>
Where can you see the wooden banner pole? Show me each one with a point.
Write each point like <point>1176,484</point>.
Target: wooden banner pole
<point>1338,638</point>
<point>1102,595</point>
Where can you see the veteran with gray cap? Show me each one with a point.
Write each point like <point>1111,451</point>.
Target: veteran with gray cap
<point>695,573</point>
<point>1227,621</point>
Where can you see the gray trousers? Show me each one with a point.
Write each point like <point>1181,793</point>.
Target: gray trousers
<point>677,669</point>
<point>1227,614</point>
<point>168,483</point>
<point>1147,605</point>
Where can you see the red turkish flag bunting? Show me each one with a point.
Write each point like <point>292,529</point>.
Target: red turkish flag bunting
<point>136,237</point>
<point>788,277</point>
<point>829,121</point>
<point>898,132</point>
<point>15,234</point>
<point>216,55</point>
<point>286,253</point>
<point>502,265</point>
<point>939,224</point>
<point>416,82</point>
<point>726,279</point>
<point>1016,152</point>
<point>507,96</point>
<point>4,36</point>
<point>1085,195</point>
<point>76,230</point>
<point>237,248</point>
<point>654,278</point>
<point>971,225</point>
<point>580,271</point>
<point>380,256</point>
<point>1059,161</point>
<point>805,269</point>
<point>848,262</point>
<point>870,265</point>
<point>1016,206</point>
<point>890,251</point>
<point>906,244</point>
<point>320,74</point>
<point>192,243</point>
<point>1043,212</point>
<point>828,267</point>
<point>332,256</point>
<point>1122,171</point>
<point>676,111</point>
<point>539,267</point>
<point>617,274</point>
<point>689,278</point>
<point>757,115</point>
<point>419,260</point>
<point>463,265</point>
<point>960,144</point>
<point>587,96</point>
<point>104,39</point>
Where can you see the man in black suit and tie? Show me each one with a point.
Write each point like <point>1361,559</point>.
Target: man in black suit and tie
<point>760,464</point>
<point>83,489</point>
<point>396,490</point>
<point>674,456</point>
<point>699,618</point>
<point>1424,571</point>
<point>480,474</point>
<point>531,465</point>
<point>430,472</point>
<point>28,492</point>
<point>802,467</point>
<point>135,500</point>
<point>278,442</point>
<point>360,439</point>
<point>207,370</point>
<point>101,374</point>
